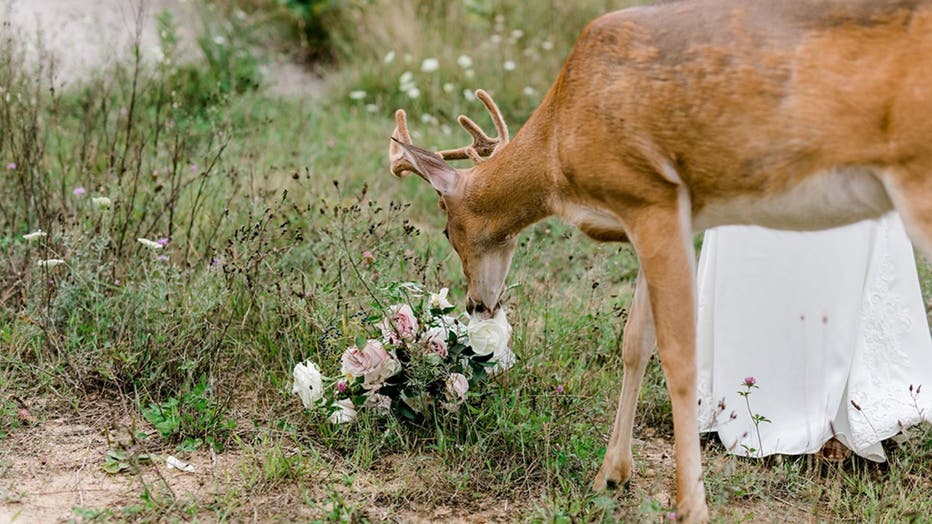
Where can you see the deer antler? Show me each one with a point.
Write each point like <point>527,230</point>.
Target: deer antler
<point>483,146</point>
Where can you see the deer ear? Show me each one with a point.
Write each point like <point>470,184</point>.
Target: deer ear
<point>442,176</point>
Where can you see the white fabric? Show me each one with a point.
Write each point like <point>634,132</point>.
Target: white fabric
<point>822,321</point>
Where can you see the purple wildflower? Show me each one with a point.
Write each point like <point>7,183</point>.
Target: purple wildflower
<point>163,241</point>
<point>750,381</point>
<point>79,191</point>
<point>11,165</point>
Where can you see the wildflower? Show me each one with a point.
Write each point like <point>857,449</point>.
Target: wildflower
<point>162,258</point>
<point>516,35</point>
<point>749,381</point>
<point>448,87</point>
<point>102,202</point>
<point>308,383</point>
<point>560,389</point>
<point>149,243</point>
<point>546,45</point>
<point>372,108</point>
<point>529,91</point>
<point>468,95</point>
<point>358,94</point>
<point>163,241</point>
<point>220,40</point>
<point>34,235</point>
<point>389,57</point>
<point>342,386</point>
<point>11,165</point>
<point>52,262</point>
<point>429,65</point>
<point>496,39</point>
<point>367,257</point>
<point>414,92</point>
<point>428,118</point>
<point>509,65</point>
<point>464,61</point>
<point>79,191</point>
<point>469,73</point>
<point>405,79</point>
<point>346,412</point>
<point>194,168</point>
<point>671,516</point>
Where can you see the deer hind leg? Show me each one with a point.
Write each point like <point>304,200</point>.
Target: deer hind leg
<point>662,236</point>
<point>910,189</point>
<point>636,347</point>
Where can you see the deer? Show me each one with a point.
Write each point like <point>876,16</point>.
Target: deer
<point>669,119</point>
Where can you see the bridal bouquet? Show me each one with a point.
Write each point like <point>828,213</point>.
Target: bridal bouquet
<point>426,356</point>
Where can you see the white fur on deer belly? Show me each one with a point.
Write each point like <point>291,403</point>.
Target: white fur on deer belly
<point>822,200</point>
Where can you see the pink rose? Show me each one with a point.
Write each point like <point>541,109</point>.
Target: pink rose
<point>371,362</point>
<point>400,324</point>
<point>435,342</point>
<point>361,362</point>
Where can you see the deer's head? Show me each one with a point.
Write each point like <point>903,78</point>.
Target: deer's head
<point>478,230</point>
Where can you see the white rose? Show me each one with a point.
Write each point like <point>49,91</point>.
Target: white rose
<point>346,412</point>
<point>308,384</point>
<point>439,300</point>
<point>490,335</point>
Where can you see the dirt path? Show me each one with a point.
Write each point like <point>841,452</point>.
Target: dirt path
<point>84,36</point>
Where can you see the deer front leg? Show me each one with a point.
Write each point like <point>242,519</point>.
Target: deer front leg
<point>662,236</point>
<point>636,347</point>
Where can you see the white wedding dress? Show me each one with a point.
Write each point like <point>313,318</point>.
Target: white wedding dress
<point>830,325</point>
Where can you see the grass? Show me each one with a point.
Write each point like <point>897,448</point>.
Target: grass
<point>267,205</point>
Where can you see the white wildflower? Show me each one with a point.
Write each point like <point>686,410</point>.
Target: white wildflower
<point>52,262</point>
<point>469,95</point>
<point>219,40</point>
<point>34,235</point>
<point>102,202</point>
<point>469,73</point>
<point>529,91</point>
<point>429,65</point>
<point>358,94</point>
<point>414,92</point>
<point>449,87</point>
<point>406,78</point>
<point>346,412</point>
<point>464,61</point>
<point>517,34</point>
<point>446,130</point>
<point>496,39</point>
<point>372,108</point>
<point>546,45</point>
<point>151,244</point>
<point>509,65</point>
<point>308,383</point>
<point>389,57</point>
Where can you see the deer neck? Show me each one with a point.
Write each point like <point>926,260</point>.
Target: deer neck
<point>515,188</point>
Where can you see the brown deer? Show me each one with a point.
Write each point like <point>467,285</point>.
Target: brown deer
<point>669,119</point>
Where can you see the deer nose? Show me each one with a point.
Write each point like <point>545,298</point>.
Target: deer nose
<point>474,307</point>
